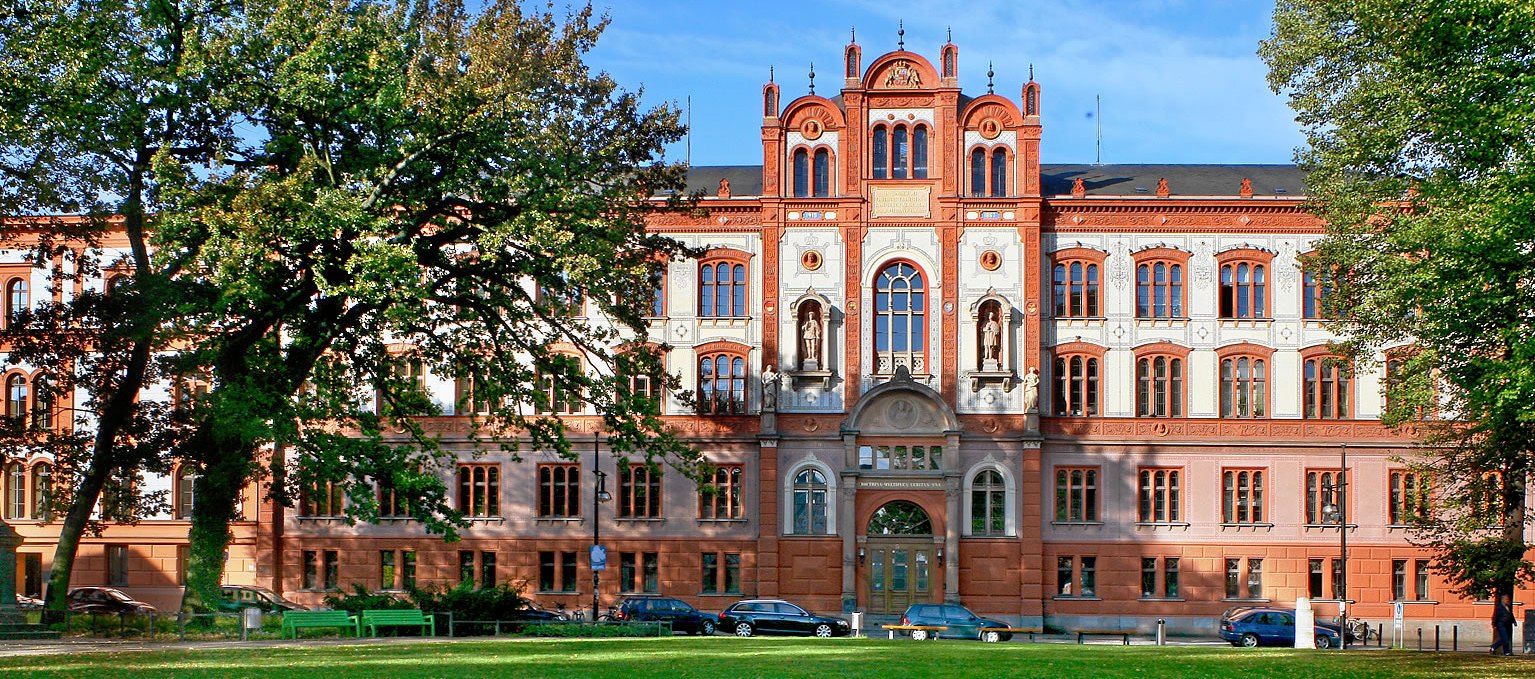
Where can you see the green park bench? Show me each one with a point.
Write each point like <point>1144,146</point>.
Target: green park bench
<point>293,620</point>
<point>372,620</point>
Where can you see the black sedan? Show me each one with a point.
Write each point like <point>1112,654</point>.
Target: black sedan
<point>775,616</point>
<point>106,601</point>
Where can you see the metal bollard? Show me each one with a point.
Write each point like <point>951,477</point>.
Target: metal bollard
<point>1455,639</point>
<point>1436,637</point>
<point>1420,638</point>
<point>1380,634</point>
<point>1161,635</point>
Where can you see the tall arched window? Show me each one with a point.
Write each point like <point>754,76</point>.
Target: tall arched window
<point>881,153</point>
<point>1243,390</point>
<point>15,491</point>
<point>999,172</point>
<point>186,490</point>
<point>722,384</point>
<point>42,477</point>
<point>821,184</point>
<point>978,172</point>
<point>988,504</point>
<point>919,152</point>
<point>722,289</point>
<point>16,398</point>
<point>1076,386</point>
<point>44,403</point>
<point>1325,384</point>
<point>810,503</point>
<point>801,173</point>
<point>1159,290</point>
<point>900,319</point>
<point>1159,386</point>
<point>17,298</point>
<point>1244,284</point>
<point>898,155</point>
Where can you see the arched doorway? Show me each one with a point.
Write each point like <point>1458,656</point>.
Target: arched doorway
<point>898,557</point>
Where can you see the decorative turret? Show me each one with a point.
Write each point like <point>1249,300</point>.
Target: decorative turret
<point>1031,97</point>
<point>770,97</point>
<point>949,59</point>
<point>852,60</point>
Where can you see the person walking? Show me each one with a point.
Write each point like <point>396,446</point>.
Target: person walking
<point>1502,627</point>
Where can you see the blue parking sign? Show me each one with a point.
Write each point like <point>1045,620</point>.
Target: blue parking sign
<point>599,558</point>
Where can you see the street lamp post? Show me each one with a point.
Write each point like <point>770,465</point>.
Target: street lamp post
<point>598,557</point>
<point>1342,500</point>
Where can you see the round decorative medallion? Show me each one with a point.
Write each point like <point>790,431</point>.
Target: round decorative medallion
<point>811,129</point>
<point>948,307</point>
<point>991,128</point>
<point>991,260</point>
<point>810,260</point>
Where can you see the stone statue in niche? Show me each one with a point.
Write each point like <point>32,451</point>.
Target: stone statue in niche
<point>1031,391</point>
<point>770,384</point>
<point>810,341</point>
<point>991,343</point>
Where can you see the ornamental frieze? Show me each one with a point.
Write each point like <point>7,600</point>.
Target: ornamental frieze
<point>1224,431</point>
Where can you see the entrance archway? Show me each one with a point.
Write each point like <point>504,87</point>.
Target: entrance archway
<point>898,564</point>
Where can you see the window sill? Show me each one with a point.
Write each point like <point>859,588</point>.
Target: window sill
<point>1068,597</point>
<point>1421,601</point>
<point>1155,599</point>
<point>641,519</point>
<point>1247,600</point>
<point>1244,322</point>
<point>1352,526</point>
<point>395,519</point>
<point>485,519</point>
<point>1264,526</point>
<point>558,520</point>
<point>705,522</point>
<point>810,535</point>
<point>553,592</point>
<point>1162,524</point>
<point>320,519</point>
<point>1076,523</point>
<point>988,536</point>
<point>729,594</point>
<point>1168,320</point>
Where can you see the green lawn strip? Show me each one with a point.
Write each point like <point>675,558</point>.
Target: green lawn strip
<point>738,658</point>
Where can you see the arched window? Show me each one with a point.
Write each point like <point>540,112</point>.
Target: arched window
<point>919,152</point>
<point>821,185</point>
<point>722,289</point>
<point>44,403</point>
<point>988,504</point>
<point>901,517</point>
<point>1244,390</point>
<point>186,490</point>
<point>978,172</point>
<point>881,153</point>
<point>16,398</point>
<point>898,153</point>
<point>1076,289</point>
<point>15,491</point>
<point>42,477</point>
<point>1313,292</point>
<point>900,319</point>
<point>1159,290</point>
<point>801,173</point>
<point>722,384</point>
<point>1244,285</point>
<point>17,298</point>
<point>810,503</point>
<point>1159,386</point>
<point>1076,385</point>
<point>999,172</point>
<point>1325,384</point>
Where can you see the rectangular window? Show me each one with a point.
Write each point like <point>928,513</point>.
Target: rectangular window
<point>465,567</point>
<point>1076,494</point>
<point>1170,572</point>
<point>1337,579</point>
<point>1255,578</point>
<point>1242,496</point>
<point>479,490</point>
<point>1325,497</point>
<point>721,575</point>
<point>117,565</point>
<point>902,458</point>
<point>723,497</point>
<point>1409,498</point>
<point>408,570</point>
<point>1064,567</point>
<point>559,491</point>
<point>332,564</point>
<point>321,498</point>
<point>311,569</point>
<point>390,503</point>
<point>556,571</point>
<point>1315,579</point>
<point>1233,578</point>
<point>1161,496</point>
<point>639,572</point>
<point>639,492</point>
<point>1148,577</point>
<point>1420,568</point>
<point>1169,575</point>
<point>1089,576</point>
<point>1398,579</point>
<point>388,575</point>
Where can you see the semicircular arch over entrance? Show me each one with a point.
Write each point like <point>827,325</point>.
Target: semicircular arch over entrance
<point>900,517</point>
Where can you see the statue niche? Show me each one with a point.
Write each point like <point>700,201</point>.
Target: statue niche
<point>812,326</point>
<point>992,315</point>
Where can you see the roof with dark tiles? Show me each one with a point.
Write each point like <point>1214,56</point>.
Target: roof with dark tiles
<point>1099,180</point>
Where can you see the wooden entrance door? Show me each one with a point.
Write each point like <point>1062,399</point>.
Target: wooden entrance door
<point>897,575</point>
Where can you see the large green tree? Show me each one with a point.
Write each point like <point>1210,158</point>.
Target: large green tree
<point>413,186</point>
<point>1420,122</point>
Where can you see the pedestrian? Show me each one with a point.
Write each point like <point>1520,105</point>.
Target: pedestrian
<point>1502,627</point>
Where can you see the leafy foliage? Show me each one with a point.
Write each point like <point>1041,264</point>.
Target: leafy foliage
<point>1419,119</point>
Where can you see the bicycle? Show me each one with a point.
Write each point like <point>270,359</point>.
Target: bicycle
<point>1360,631</point>
<point>611,616</point>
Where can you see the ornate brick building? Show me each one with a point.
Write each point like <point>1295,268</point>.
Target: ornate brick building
<point>930,368</point>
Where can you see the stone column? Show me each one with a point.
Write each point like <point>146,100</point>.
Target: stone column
<point>952,490</point>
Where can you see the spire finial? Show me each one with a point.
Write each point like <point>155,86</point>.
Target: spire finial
<point>989,75</point>
<point>855,35</point>
<point>1031,72</point>
<point>812,77</point>
<point>901,36</point>
<point>770,74</point>
<point>951,33</point>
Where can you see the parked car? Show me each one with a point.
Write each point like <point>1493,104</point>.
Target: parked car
<point>27,603</point>
<point>532,613</point>
<point>962,623</point>
<point>775,616</point>
<point>1252,627</point>
<point>106,601</point>
<point>240,597</point>
<point>682,616</point>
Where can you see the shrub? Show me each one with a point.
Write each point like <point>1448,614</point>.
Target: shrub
<point>360,599</point>
<point>501,602</point>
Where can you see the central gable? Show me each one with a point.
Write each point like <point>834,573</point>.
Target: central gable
<point>901,407</point>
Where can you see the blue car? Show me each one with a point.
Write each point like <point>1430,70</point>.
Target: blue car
<point>1253,627</point>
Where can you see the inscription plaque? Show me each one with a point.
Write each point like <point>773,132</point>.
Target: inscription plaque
<point>887,201</point>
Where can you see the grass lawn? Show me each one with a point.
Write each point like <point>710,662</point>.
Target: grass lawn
<point>731,658</point>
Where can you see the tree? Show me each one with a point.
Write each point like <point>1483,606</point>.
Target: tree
<point>1420,122</point>
<point>99,99</point>
<point>414,187</point>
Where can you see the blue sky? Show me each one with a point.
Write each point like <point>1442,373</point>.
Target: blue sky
<point>1180,79</point>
